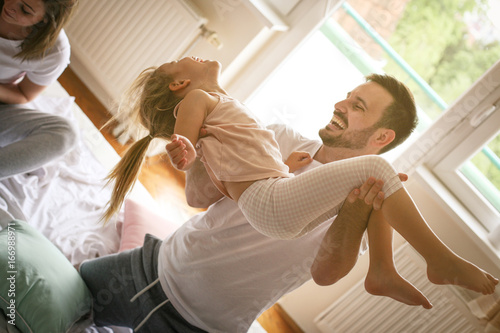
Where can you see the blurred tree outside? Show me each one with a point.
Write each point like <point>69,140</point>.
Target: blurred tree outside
<point>450,44</point>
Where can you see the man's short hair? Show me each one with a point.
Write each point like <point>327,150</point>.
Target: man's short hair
<point>401,115</point>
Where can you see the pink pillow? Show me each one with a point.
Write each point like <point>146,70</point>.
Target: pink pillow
<point>138,221</point>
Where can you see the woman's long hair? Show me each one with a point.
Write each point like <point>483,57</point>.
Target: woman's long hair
<point>43,35</point>
<point>147,107</point>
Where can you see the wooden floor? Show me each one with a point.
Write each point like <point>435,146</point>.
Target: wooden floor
<point>160,179</point>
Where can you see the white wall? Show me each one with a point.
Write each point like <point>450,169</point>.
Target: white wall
<point>251,47</point>
<point>252,50</point>
<point>235,24</point>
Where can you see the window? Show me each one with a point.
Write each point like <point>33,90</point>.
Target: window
<point>482,172</point>
<point>471,168</point>
<point>440,53</point>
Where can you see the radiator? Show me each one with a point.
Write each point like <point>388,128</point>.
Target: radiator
<point>359,312</point>
<point>112,41</point>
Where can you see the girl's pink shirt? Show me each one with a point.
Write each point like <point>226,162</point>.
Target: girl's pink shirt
<point>237,147</point>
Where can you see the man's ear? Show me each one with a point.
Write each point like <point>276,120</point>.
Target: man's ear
<point>178,85</point>
<point>383,136</point>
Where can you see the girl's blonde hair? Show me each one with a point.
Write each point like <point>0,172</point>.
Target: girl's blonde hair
<point>148,107</point>
<point>43,35</point>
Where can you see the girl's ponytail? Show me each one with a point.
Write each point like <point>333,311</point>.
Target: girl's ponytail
<point>147,106</point>
<point>125,174</point>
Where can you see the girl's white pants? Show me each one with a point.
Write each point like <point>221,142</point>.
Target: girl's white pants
<point>288,208</point>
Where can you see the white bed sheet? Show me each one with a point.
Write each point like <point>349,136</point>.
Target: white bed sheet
<point>65,198</point>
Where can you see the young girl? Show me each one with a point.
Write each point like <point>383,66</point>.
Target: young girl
<point>243,161</point>
<point>34,51</point>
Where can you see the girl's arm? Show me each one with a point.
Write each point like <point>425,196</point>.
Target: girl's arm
<point>190,118</point>
<point>298,160</point>
<point>191,114</point>
<point>200,190</point>
<point>23,92</point>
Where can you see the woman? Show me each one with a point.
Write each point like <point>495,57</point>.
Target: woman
<point>34,51</point>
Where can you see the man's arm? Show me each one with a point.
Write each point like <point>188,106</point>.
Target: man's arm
<point>200,190</point>
<point>339,248</point>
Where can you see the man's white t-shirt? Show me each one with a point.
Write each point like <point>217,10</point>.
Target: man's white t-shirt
<point>43,71</point>
<point>221,274</point>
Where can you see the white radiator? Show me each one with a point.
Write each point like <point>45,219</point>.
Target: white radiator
<point>359,312</point>
<point>114,40</point>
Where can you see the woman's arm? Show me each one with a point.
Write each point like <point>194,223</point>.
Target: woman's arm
<point>20,93</point>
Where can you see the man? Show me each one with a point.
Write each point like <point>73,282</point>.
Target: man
<point>236,272</point>
<point>218,274</point>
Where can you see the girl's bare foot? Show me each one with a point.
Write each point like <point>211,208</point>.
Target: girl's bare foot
<point>454,270</point>
<point>388,282</point>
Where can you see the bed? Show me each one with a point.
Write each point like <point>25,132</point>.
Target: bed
<point>53,212</point>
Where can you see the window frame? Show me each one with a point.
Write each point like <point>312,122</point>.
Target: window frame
<point>270,48</point>
<point>438,153</point>
<point>448,170</point>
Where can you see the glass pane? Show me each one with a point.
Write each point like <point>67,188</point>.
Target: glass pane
<point>304,89</point>
<point>483,171</point>
<point>439,48</point>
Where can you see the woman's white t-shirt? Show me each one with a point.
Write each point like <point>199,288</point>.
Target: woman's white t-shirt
<point>43,71</point>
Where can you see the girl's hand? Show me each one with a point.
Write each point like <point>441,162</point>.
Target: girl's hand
<point>181,152</point>
<point>297,160</point>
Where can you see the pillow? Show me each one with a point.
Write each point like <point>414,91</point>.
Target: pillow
<point>42,291</point>
<point>138,221</point>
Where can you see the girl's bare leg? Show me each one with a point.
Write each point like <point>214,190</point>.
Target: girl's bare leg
<point>382,278</point>
<point>443,265</point>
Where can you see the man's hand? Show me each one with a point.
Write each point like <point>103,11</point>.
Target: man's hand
<point>203,132</point>
<point>181,152</point>
<point>297,160</point>
<point>339,248</point>
<point>370,192</point>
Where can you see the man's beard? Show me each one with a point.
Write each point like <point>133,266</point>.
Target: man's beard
<point>352,140</point>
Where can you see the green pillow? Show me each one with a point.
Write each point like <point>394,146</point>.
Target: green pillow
<point>42,291</point>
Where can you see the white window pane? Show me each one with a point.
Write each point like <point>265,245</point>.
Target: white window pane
<point>303,91</point>
<point>483,171</point>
